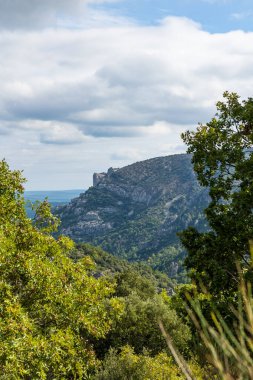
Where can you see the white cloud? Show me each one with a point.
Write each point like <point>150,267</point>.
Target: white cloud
<point>238,16</point>
<point>61,134</point>
<point>87,94</point>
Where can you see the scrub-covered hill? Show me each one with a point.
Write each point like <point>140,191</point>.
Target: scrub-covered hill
<point>136,211</point>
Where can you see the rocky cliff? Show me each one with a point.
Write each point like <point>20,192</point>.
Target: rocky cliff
<point>136,211</point>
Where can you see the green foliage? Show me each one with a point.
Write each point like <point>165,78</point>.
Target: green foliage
<point>222,155</point>
<point>229,348</point>
<point>113,266</point>
<point>51,307</point>
<point>144,296</point>
<point>138,325</point>
<point>171,261</point>
<point>132,282</point>
<point>223,160</point>
<point>126,365</point>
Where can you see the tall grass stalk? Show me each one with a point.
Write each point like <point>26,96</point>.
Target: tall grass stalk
<point>177,356</point>
<point>229,348</point>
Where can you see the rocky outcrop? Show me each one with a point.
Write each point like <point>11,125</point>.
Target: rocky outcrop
<point>100,177</point>
<point>97,178</point>
<point>136,211</point>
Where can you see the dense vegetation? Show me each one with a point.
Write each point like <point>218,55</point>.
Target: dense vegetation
<point>109,265</point>
<point>219,261</point>
<point>62,318</point>
<point>223,160</point>
<point>47,319</point>
<point>76,312</point>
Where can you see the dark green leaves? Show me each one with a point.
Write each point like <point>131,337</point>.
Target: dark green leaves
<point>222,154</point>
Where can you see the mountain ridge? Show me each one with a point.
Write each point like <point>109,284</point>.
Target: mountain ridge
<point>136,211</point>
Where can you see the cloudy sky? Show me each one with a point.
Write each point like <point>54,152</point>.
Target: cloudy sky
<point>89,84</point>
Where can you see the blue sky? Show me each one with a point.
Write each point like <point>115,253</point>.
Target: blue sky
<point>215,16</point>
<point>90,84</point>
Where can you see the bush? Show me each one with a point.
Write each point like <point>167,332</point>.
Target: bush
<point>126,365</point>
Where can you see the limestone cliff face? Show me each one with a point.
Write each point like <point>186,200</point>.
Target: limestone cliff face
<point>137,210</point>
<point>98,177</point>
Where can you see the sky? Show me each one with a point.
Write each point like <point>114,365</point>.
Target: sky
<point>92,84</point>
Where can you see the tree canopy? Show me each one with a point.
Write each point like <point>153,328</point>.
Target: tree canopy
<point>222,156</point>
<point>56,317</point>
<point>49,305</point>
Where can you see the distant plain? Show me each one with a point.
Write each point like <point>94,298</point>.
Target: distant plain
<point>55,197</point>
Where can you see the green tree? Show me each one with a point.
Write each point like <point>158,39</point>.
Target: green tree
<point>138,325</point>
<point>222,156</point>
<point>50,307</point>
<point>127,365</point>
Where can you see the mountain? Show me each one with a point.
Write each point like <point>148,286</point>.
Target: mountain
<point>136,211</point>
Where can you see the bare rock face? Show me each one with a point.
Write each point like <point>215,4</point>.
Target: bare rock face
<point>136,211</point>
<point>97,178</point>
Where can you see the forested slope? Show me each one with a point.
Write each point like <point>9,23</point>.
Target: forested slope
<point>135,212</point>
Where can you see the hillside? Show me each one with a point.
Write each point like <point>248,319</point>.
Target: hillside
<point>112,267</point>
<point>136,211</point>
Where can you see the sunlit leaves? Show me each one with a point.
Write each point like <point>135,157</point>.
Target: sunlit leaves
<point>49,305</point>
